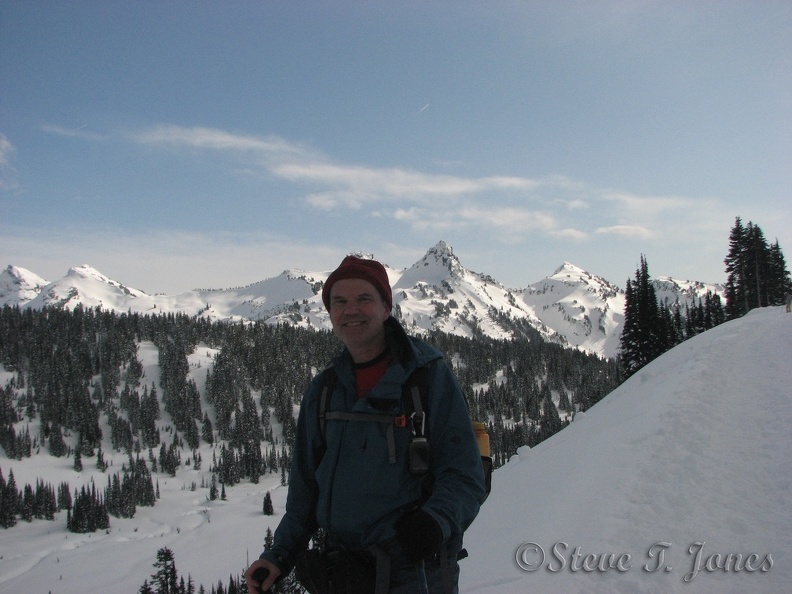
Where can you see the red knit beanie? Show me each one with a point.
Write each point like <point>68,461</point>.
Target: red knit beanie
<point>362,268</point>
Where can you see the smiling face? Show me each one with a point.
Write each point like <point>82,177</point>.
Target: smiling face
<point>358,314</point>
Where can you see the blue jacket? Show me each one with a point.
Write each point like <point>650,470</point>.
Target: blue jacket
<point>349,488</point>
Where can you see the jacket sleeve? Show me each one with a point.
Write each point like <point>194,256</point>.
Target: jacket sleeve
<point>299,522</point>
<point>454,455</point>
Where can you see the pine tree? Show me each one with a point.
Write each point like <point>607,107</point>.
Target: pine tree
<point>27,503</point>
<point>269,539</point>
<point>166,578</point>
<point>551,421</point>
<point>9,500</point>
<point>100,461</point>
<point>645,334</point>
<point>213,489</point>
<point>268,509</point>
<point>206,430</point>
<point>756,272</point>
<point>736,297</point>
<point>57,447</point>
<point>779,277</point>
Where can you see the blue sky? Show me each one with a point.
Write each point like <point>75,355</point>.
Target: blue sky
<point>176,145</point>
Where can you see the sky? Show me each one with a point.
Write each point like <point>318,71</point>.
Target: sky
<point>176,145</point>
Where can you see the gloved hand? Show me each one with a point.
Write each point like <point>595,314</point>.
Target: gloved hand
<point>419,535</point>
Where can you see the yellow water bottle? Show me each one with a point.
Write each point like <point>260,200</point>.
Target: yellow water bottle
<point>482,439</point>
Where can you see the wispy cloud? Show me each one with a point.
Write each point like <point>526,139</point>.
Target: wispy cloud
<point>212,138</point>
<point>666,218</point>
<point>506,206</point>
<point>7,149</point>
<point>80,132</point>
<point>648,205</point>
<point>633,231</point>
<point>356,186</point>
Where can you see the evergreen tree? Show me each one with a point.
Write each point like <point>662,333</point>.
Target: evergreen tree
<point>645,334</point>
<point>213,489</point>
<point>756,272</point>
<point>166,578</point>
<point>9,500</point>
<point>779,278</point>
<point>551,421</point>
<point>206,430</point>
<point>57,447</point>
<point>736,295</point>
<point>268,509</point>
<point>27,503</point>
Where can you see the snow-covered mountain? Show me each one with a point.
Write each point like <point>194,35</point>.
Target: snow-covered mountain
<point>586,310</point>
<point>572,307</point>
<point>678,481</point>
<point>19,286</point>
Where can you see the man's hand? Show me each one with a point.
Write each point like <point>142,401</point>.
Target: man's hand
<point>419,535</point>
<point>261,575</point>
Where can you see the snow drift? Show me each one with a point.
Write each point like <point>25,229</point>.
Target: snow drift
<point>685,466</point>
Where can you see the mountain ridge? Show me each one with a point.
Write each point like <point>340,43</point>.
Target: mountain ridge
<point>571,306</point>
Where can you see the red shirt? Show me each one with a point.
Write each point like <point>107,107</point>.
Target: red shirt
<point>368,374</point>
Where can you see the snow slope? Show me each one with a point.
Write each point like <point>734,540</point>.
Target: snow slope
<point>693,448</point>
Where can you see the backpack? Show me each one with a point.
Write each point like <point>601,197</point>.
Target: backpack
<point>415,407</point>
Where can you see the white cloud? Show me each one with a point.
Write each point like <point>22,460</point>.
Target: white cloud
<point>634,231</point>
<point>509,219</point>
<point>569,233</point>
<point>6,149</point>
<point>649,205</point>
<point>7,183</point>
<point>212,138</point>
<point>80,132</point>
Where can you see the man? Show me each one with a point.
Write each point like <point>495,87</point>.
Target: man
<point>353,477</point>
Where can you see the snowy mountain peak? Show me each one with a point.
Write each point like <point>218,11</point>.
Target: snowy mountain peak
<point>583,308</point>
<point>438,265</point>
<point>86,285</point>
<point>568,269</point>
<point>670,289</point>
<point>19,285</point>
<point>573,275</point>
<point>87,271</point>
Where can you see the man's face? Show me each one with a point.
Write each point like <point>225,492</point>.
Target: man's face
<point>358,312</point>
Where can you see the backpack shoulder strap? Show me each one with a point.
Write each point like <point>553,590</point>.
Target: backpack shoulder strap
<point>415,400</point>
<point>329,381</point>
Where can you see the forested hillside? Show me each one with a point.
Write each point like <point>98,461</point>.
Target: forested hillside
<point>73,384</point>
